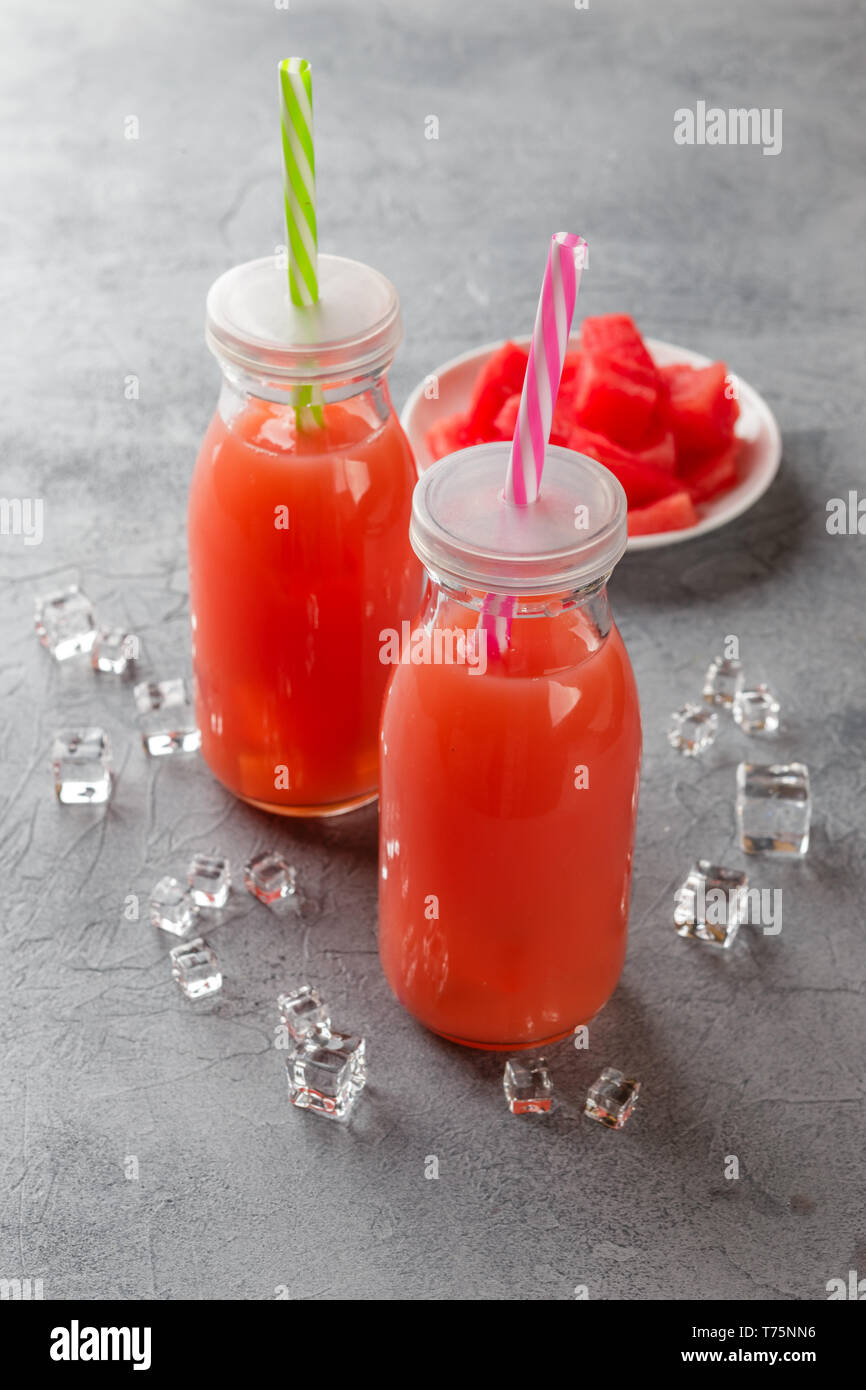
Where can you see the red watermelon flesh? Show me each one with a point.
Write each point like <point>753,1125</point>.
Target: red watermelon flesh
<point>501,375</point>
<point>570,369</point>
<point>616,397</point>
<point>672,513</point>
<point>615,336</point>
<point>659,449</point>
<point>447,436</point>
<point>642,483</point>
<point>700,407</point>
<point>506,421</point>
<point>563,417</point>
<point>713,473</point>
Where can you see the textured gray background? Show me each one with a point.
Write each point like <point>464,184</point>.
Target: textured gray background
<point>549,117</point>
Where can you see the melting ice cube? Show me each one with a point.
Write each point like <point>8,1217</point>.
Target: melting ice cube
<point>194,966</point>
<point>209,877</point>
<point>167,717</point>
<point>774,808</point>
<point>611,1098</point>
<point>692,729</point>
<point>711,904</point>
<point>82,766</point>
<point>64,622</point>
<point>326,1073</point>
<point>528,1086</point>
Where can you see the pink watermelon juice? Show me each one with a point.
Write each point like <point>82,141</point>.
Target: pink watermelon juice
<point>504,889</point>
<point>286,617</point>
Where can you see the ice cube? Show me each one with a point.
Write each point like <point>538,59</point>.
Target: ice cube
<point>326,1073</point>
<point>711,904</point>
<point>273,881</point>
<point>64,622</point>
<point>82,766</point>
<point>774,808</point>
<point>722,682</point>
<point>757,711</point>
<point>210,880</point>
<point>611,1098</point>
<point>194,966</point>
<point>693,729</point>
<point>304,1013</point>
<point>166,717</point>
<point>528,1086</point>
<point>172,907</point>
<point>114,651</point>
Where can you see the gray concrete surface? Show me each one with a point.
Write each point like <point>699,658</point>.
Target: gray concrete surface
<point>549,116</point>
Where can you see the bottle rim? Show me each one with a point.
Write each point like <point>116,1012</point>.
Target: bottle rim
<point>467,536</point>
<point>354,329</point>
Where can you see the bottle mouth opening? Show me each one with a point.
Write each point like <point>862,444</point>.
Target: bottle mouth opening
<point>467,536</point>
<point>352,332</point>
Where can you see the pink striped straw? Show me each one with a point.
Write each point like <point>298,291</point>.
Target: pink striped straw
<point>566,259</point>
<point>495,622</point>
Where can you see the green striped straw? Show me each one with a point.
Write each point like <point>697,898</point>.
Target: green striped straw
<point>299,196</point>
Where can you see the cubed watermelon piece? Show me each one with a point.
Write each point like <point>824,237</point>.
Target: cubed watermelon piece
<point>501,375</point>
<point>616,336</point>
<point>564,418</point>
<point>659,449</point>
<point>700,406</point>
<point>448,435</point>
<point>570,369</point>
<point>642,483</point>
<point>616,397</point>
<point>706,476</point>
<point>506,420</point>
<point>673,513</point>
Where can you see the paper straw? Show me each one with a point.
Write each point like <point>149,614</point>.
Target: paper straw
<point>565,261</point>
<point>299,178</point>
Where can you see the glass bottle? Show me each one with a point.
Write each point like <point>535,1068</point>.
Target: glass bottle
<point>510,756</point>
<point>298,549</point>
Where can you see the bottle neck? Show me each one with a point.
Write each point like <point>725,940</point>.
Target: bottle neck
<point>304,407</point>
<point>542,636</point>
<point>591,599</point>
<point>253,384</point>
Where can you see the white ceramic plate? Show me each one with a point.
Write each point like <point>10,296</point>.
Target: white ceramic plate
<point>758,463</point>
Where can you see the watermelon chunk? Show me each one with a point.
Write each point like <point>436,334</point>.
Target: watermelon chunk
<point>706,476</point>
<point>448,435</point>
<point>570,369</point>
<point>659,449</point>
<point>616,397</point>
<point>672,513</point>
<point>499,378</point>
<point>701,410</point>
<point>506,421</point>
<point>564,417</point>
<point>617,386</point>
<point>642,483</point>
<point>615,336</point>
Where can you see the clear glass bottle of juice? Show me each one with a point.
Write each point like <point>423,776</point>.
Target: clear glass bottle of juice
<point>298,536</point>
<point>510,756</point>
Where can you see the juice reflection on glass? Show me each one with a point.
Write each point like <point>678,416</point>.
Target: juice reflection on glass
<point>298,545</point>
<point>509,786</point>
